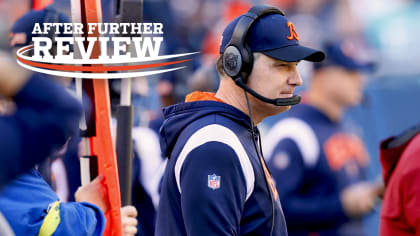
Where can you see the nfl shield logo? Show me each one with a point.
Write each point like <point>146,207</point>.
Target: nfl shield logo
<point>213,181</point>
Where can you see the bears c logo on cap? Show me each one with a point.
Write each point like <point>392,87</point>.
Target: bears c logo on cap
<point>293,33</point>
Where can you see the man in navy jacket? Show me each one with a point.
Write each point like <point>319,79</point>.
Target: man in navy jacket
<point>318,164</point>
<point>216,182</point>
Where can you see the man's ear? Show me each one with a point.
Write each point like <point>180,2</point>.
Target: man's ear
<point>256,56</point>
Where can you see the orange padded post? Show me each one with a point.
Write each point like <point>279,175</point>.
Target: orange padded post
<point>102,144</point>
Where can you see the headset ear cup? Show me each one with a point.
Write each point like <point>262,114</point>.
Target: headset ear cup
<point>248,63</point>
<point>232,61</point>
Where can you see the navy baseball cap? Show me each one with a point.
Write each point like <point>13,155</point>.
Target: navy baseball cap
<point>274,36</point>
<point>344,54</point>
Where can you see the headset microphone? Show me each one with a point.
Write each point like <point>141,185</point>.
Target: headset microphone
<point>277,101</point>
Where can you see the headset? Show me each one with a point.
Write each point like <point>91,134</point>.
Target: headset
<point>237,57</point>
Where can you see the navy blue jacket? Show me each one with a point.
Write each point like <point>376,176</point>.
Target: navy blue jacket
<point>45,118</point>
<point>313,159</point>
<point>214,183</point>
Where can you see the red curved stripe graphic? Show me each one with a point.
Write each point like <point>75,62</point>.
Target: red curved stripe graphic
<point>24,48</point>
<point>98,68</point>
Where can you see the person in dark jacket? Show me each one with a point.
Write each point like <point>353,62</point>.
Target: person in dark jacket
<point>45,117</point>
<point>216,181</point>
<point>91,199</point>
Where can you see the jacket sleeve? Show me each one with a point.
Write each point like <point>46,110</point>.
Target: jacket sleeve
<point>212,208</point>
<point>80,219</point>
<point>411,197</point>
<point>301,211</point>
<point>46,116</point>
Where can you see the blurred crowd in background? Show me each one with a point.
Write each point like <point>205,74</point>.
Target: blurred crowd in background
<point>383,31</point>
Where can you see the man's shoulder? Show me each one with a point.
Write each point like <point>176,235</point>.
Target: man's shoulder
<point>212,127</point>
<point>217,133</point>
<point>219,145</point>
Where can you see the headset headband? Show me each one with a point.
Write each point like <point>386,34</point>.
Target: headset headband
<point>244,24</point>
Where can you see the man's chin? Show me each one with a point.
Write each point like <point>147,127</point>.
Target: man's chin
<point>286,108</point>
<point>280,109</point>
<point>354,102</point>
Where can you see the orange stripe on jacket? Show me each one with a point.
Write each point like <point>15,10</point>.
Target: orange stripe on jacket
<point>202,96</point>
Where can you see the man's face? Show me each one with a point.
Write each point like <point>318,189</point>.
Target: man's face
<point>273,78</point>
<point>344,86</point>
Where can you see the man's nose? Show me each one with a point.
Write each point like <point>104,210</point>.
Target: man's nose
<point>295,78</point>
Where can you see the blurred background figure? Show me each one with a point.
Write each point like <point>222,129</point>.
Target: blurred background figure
<point>390,26</point>
<point>61,170</point>
<point>19,36</point>
<point>400,214</point>
<point>148,164</point>
<point>32,125</point>
<point>36,128</point>
<point>318,165</point>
